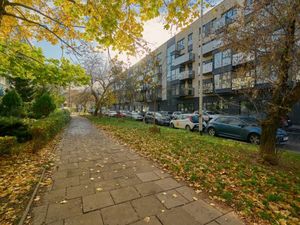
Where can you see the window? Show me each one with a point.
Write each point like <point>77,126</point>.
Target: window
<point>230,15</point>
<point>245,80</point>
<point>222,120</point>
<point>208,86</point>
<point>222,59</point>
<point>218,60</point>
<point>222,81</point>
<point>181,68</point>
<point>234,122</point>
<point>190,39</point>
<point>190,66</point>
<point>180,44</point>
<point>226,57</point>
<point>208,28</point>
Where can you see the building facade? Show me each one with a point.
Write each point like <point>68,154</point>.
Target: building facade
<point>179,67</point>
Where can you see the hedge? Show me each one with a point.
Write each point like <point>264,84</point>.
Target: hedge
<point>44,129</point>
<point>13,126</point>
<point>6,144</point>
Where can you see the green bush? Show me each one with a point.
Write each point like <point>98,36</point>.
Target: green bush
<point>13,126</point>
<point>12,104</point>
<point>6,144</point>
<point>43,106</point>
<point>44,129</point>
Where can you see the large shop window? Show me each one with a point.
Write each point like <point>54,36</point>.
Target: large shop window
<point>222,81</point>
<point>222,59</point>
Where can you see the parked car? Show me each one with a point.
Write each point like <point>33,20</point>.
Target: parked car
<point>112,113</point>
<point>136,116</point>
<point>175,114</point>
<point>241,128</point>
<point>166,114</point>
<point>208,115</point>
<point>285,122</point>
<point>205,116</point>
<point>189,122</point>
<point>120,114</point>
<point>151,117</point>
<point>212,115</point>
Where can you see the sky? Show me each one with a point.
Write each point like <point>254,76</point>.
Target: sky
<point>154,33</point>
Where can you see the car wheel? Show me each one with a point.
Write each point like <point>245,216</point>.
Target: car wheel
<point>172,125</point>
<point>188,128</point>
<point>254,139</point>
<point>211,131</point>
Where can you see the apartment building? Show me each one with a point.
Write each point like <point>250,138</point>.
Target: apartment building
<point>179,67</point>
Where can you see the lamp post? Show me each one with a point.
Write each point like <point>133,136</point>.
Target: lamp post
<point>201,72</point>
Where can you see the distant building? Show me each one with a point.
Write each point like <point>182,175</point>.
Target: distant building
<point>179,68</point>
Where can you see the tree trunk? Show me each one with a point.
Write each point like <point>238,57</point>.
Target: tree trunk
<point>96,110</point>
<point>268,139</point>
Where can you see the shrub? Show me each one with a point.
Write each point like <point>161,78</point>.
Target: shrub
<point>6,144</point>
<point>43,106</point>
<point>45,129</point>
<point>11,104</point>
<point>12,126</point>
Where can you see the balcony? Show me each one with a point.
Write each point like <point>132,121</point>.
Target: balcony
<point>220,23</point>
<point>210,46</point>
<point>186,58</point>
<point>190,74</point>
<point>185,92</point>
<point>207,67</point>
<point>241,58</point>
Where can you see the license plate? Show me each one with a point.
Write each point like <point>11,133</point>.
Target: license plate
<point>286,138</point>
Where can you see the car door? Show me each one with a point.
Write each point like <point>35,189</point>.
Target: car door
<point>178,121</point>
<point>220,125</point>
<point>234,128</point>
<point>183,121</point>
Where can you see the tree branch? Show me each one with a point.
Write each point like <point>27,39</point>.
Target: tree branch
<point>43,26</point>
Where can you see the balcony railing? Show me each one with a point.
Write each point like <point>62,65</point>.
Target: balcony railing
<point>212,45</point>
<point>190,74</point>
<point>186,58</point>
<point>207,67</point>
<point>186,92</point>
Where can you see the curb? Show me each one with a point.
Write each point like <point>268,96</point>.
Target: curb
<point>23,218</point>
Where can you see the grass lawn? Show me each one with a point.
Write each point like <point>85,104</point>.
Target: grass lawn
<point>228,171</point>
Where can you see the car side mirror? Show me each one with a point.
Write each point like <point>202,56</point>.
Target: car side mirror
<point>242,125</point>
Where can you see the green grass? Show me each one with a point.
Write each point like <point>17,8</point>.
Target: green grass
<point>230,171</point>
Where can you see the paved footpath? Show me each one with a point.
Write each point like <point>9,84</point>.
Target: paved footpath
<point>97,181</point>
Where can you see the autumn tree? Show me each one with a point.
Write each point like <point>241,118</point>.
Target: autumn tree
<point>117,24</point>
<point>267,37</point>
<point>104,73</point>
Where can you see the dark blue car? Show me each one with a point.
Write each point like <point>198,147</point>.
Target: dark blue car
<point>241,128</point>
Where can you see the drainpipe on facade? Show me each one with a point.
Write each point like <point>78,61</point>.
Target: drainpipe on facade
<point>201,72</point>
